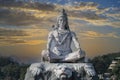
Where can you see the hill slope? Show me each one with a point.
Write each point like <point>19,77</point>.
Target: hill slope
<point>102,63</point>
<point>12,70</point>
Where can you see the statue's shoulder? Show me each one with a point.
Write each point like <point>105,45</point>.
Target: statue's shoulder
<point>72,33</point>
<point>50,34</point>
<point>53,33</point>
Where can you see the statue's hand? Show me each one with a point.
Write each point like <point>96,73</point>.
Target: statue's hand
<point>82,52</point>
<point>55,50</point>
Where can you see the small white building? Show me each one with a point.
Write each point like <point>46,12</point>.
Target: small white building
<point>111,67</point>
<point>114,63</point>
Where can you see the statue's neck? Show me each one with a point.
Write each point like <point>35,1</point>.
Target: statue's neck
<point>61,28</point>
<point>62,31</point>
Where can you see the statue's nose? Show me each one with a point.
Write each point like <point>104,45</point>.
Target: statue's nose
<point>63,70</point>
<point>62,22</point>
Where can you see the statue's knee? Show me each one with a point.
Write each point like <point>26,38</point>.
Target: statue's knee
<point>45,55</point>
<point>43,51</point>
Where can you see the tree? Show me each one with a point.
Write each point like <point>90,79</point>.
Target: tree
<point>101,63</point>
<point>6,60</point>
<point>23,70</point>
<point>11,71</point>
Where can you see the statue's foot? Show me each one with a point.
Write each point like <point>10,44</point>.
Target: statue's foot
<point>80,60</point>
<point>54,61</point>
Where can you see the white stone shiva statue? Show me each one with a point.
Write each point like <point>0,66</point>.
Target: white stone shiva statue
<point>62,63</point>
<point>59,43</point>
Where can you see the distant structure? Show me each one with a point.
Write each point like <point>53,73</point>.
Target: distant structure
<point>114,63</point>
<point>108,75</point>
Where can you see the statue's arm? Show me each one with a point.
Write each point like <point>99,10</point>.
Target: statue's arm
<point>50,37</point>
<point>75,41</point>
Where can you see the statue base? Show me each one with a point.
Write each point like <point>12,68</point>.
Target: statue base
<point>61,71</point>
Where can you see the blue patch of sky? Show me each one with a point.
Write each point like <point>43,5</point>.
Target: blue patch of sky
<point>80,21</point>
<point>7,26</point>
<point>90,27</point>
<point>106,29</point>
<point>103,3</point>
<point>100,29</point>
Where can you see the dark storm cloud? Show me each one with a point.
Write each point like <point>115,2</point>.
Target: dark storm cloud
<point>11,32</point>
<point>43,6</point>
<point>86,14</point>
<point>10,36</point>
<point>29,4</point>
<point>15,17</point>
<point>12,40</point>
<point>19,16</point>
<point>87,10</point>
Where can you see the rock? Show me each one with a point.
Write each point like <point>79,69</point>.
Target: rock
<point>57,71</point>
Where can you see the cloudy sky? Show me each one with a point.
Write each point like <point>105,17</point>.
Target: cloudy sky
<point>24,31</point>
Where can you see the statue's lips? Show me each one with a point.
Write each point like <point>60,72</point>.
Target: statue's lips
<point>63,75</point>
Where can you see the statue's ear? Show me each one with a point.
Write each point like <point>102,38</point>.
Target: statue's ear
<point>54,27</point>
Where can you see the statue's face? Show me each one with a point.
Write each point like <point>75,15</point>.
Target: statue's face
<point>62,22</point>
<point>63,72</point>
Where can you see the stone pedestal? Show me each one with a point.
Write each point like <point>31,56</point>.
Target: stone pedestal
<point>61,71</point>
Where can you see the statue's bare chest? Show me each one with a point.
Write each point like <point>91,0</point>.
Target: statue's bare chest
<point>61,38</point>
